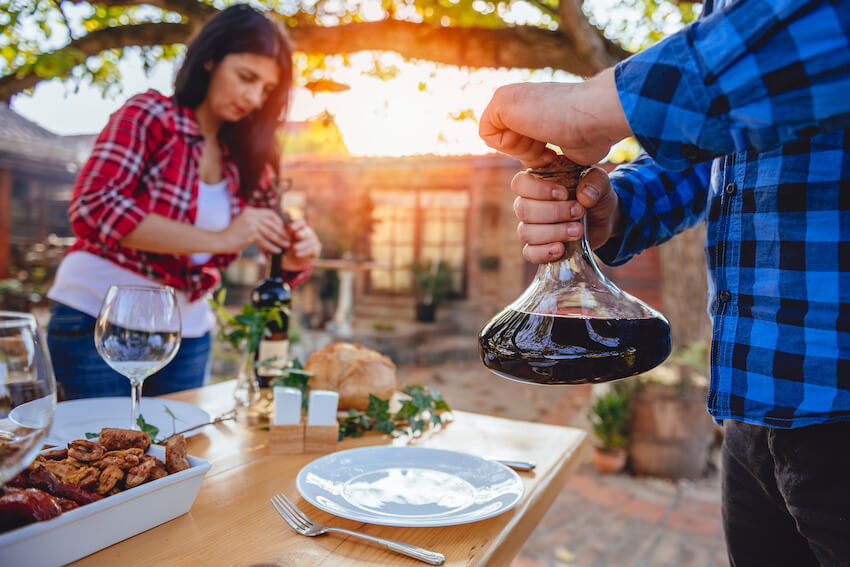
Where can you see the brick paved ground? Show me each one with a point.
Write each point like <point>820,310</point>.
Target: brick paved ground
<point>597,520</point>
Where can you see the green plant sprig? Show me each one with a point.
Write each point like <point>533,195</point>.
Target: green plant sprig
<point>424,407</point>
<point>294,377</point>
<point>247,327</point>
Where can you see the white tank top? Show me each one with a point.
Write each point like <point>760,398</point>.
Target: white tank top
<point>82,278</point>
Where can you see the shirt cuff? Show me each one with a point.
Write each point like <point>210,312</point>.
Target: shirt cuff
<point>125,216</point>
<point>294,279</point>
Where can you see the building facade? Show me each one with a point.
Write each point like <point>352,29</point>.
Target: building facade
<point>452,209</point>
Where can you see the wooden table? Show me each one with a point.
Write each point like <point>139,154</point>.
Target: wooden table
<point>232,522</point>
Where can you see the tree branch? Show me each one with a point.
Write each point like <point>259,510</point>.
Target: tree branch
<point>519,46</point>
<point>101,40</point>
<point>194,11</point>
<point>577,47</point>
<point>587,41</point>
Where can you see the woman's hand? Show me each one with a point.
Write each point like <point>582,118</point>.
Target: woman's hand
<point>303,247</point>
<point>260,226</point>
<point>548,219</point>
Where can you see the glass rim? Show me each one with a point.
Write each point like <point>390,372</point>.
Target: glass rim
<point>159,288</point>
<point>10,319</point>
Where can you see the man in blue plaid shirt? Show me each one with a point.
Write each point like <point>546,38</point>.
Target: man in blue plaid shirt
<point>743,117</point>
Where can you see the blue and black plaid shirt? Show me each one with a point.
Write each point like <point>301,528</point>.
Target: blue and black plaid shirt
<point>742,116</point>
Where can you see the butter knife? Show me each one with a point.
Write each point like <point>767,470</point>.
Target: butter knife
<point>522,466</point>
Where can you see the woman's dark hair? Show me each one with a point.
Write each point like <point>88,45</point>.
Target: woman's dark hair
<point>252,140</point>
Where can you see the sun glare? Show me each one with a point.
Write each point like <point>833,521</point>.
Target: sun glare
<point>426,109</point>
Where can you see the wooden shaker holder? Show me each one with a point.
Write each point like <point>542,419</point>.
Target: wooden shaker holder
<point>303,438</point>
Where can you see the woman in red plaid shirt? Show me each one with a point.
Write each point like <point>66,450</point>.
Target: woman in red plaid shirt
<point>174,188</point>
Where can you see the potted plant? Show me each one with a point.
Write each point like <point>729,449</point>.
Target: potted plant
<point>670,430</point>
<point>609,419</point>
<point>432,282</point>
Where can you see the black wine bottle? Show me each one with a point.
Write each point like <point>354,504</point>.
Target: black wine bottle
<point>272,355</point>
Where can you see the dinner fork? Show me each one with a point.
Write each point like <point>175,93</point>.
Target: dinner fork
<point>302,524</point>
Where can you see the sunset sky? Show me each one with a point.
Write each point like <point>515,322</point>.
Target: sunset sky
<point>375,117</point>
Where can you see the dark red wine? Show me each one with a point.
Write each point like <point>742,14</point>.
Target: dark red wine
<point>551,349</point>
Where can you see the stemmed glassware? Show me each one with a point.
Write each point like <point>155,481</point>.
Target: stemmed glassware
<point>27,392</point>
<point>138,333</point>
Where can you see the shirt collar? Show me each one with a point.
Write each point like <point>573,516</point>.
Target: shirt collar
<point>184,120</point>
<point>185,123</point>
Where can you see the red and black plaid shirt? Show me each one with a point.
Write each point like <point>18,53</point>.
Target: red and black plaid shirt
<point>146,161</point>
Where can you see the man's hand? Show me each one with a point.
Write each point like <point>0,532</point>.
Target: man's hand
<point>583,119</point>
<point>548,219</point>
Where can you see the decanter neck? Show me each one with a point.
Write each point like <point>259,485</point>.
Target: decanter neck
<point>577,259</point>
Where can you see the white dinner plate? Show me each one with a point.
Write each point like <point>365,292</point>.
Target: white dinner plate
<point>409,486</point>
<point>74,418</point>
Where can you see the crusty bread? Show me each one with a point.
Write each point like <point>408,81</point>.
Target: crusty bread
<point>354,371</point>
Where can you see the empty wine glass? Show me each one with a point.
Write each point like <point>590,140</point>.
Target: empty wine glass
<point>27,392</point>
<point>138,333</point>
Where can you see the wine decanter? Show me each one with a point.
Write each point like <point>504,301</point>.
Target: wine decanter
<point>572,325</point>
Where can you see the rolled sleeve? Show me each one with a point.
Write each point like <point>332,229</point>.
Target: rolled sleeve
<point>107,204</point>
<point>656,204</point>
<point>753,75</point>
<point>294,279</point>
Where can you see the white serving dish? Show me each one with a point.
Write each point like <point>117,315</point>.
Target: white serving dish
<point>84,530</point>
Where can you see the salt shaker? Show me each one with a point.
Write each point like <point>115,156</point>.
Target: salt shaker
<point>287,405</point>
<point>321,407</point>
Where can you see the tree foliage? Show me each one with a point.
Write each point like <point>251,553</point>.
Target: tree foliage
<point>84,41</point>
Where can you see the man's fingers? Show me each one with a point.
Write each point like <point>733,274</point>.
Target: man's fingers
<point>526,185</point>
<point>593,186</point>
<point>544,253</point>
<point>537,234</point>
<point>546,212</point>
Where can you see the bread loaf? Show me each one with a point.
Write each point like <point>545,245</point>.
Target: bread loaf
<point>354,371</point>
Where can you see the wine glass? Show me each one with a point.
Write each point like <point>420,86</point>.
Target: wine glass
<point>137,333</point>
<point>27,392</point>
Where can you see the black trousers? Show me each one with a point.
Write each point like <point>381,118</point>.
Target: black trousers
<point>786,495</point>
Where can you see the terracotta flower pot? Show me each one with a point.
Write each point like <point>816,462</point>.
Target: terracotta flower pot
<point>609,461</point>
<point>670,435</point>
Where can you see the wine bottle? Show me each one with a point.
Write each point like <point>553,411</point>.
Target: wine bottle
<point>272,355</point>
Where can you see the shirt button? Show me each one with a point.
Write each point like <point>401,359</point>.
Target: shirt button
<point>731,188</point>
<point>724,296</point>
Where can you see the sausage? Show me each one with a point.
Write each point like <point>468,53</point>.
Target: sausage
<point>114,439</point>
<point>47,481</point>
<point>20,506</point>
<point>66,503</point>
<point>175,454</point>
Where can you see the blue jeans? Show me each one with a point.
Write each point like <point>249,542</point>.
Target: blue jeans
<point>82,373</point>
